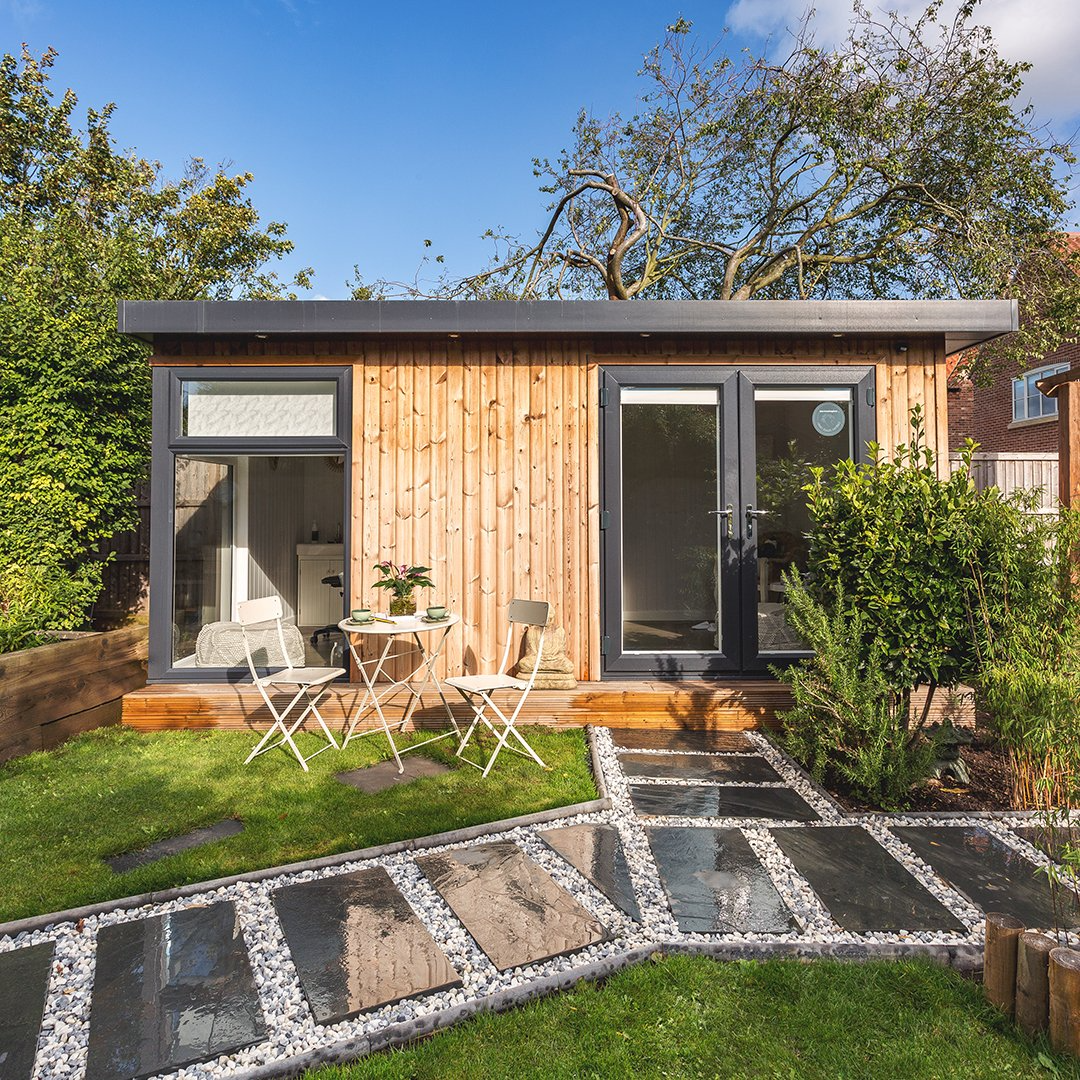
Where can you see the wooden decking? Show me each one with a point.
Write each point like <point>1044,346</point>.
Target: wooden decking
<point>732,706</point>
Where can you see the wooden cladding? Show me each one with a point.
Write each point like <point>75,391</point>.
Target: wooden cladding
<point>480,456</point>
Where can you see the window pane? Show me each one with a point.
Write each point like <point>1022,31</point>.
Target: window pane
<point>253,526</point>
<point>235,409</point>
<point>1018,399</point>
<point>1034,398</point>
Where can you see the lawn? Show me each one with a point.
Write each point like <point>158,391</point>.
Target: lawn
<point>116,790</point>
<point>697,1018</point>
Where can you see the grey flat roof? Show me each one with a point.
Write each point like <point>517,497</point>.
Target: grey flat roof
<point>963,322</point>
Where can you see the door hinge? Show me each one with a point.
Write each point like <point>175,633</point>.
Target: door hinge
<point>603,397</point>
<point>605,519</point>
<point>870,396</point>
<point>605,645</point>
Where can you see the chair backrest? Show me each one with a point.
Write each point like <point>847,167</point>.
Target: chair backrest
<point>524,613</point>
<point>265,609</point>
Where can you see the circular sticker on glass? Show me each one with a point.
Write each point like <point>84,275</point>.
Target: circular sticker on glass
<point>828,418</point>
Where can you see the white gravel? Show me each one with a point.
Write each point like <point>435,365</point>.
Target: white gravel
<point>290,1023</point>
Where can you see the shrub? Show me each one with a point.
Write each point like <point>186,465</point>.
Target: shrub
<point>848,724</point>
<point>38,597</point>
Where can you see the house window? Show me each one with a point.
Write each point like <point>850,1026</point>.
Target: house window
<point>1028,402</point>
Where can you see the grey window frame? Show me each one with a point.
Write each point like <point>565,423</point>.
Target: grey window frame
<point>1042,372</point>
<point>167,444</point>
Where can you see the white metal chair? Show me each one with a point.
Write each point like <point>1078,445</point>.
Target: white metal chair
<point>477,689</point>
<point>311,682</point>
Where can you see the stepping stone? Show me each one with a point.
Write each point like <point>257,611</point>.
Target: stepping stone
<point>992,875</point>
<point>860,883</point>
<point>733,770</point>
<point>1051,841</point>
<point>672,739</point>
<point>174,845</point>
<point>376,778</point>
<point>357,944</point>
<point>715,882</point>
<point>169,991</point>
<point>512,907</point>
<point>24,983</point>
<point>706,800</point>
<point>596,852</point>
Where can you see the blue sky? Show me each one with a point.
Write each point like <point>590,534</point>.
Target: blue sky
<point>370,127</point>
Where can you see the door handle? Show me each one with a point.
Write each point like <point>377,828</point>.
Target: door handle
<point>751,514</point>
<point>729,513</point>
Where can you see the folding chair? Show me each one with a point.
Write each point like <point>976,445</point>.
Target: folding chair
<point>311,682</point>
<point>477,689</point>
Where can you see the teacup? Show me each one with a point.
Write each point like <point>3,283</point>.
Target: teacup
<point>361,614</point>
<point>437,611</point>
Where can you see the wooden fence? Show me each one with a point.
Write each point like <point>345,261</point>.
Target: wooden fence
<point>1017,472</point>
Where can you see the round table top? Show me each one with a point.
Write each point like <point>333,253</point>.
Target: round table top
<point>402,624</point>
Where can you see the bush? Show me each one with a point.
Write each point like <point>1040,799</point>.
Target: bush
<point>848,724</point>
<point>36,598</point>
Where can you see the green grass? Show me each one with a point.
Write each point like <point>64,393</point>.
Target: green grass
<point>698,1018</point>
<point>115,790</point>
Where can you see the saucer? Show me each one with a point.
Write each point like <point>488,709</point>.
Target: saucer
<point>365,622</point>
<point>444,618</point>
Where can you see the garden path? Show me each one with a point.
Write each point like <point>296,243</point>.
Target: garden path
<point>714,843</point>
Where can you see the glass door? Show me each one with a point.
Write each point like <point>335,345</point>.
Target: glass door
<point>670,558</point>
<point>703,510</point>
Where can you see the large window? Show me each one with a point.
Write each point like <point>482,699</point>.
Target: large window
<point>1028,402</point>
<point>250,499</point>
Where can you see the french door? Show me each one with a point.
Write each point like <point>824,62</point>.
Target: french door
<point>703,510</point>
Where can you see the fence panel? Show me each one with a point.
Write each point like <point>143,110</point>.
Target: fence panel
<point>1017,472</point>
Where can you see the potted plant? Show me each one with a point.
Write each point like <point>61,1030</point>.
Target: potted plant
<point>402,581</point>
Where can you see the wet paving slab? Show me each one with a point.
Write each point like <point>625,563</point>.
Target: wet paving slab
<point>514,909</point>
<point>171,990</point>
<point>384,775</point>
<point>702,800</point>
<point>174,845</point>
<point>24,984</point>
<point>751,769</point>
<point>990,873</point>
<point>1050,841</point>
<point>357,944</point>
<point>718,742</point>
<point>861,884</point>
<point>596,852</point>
<point>715,883</point>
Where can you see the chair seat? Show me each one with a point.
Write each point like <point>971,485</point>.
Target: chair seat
<point>476,684</point>
<point>302,676</point>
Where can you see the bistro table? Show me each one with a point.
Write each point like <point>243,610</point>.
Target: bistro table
<point>370,670</point>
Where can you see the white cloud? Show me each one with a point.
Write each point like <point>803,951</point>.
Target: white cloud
<point>1045,33</point>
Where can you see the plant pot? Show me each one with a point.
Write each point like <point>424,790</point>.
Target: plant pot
<point>403,605</point>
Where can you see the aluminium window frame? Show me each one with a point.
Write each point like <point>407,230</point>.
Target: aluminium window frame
<point>167,444</point>
<point>1034,375</point>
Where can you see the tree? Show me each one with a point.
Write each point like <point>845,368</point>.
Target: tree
<point>895,165</point>
<point>81,226</point>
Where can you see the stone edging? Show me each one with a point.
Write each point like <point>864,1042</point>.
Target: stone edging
<point>418,843</point>
<point>964,958</point>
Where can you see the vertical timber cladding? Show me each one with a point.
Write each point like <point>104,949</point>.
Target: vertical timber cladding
<point>480,457</point>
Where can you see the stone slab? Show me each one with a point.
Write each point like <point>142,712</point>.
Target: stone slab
<point>513,908</point>
<point>752,769</point>
<point>718,742</point>
<point>596,852</point>
<point>1050,841</point>
<point>171,990</point>
<point>24,983</point>
<point>173,845</point>
<point>992,875</point>
<point>715,883</point>
<point>861,884</point>
<point>357,944</point>
<point>376,778</point>
<point>708,800</point>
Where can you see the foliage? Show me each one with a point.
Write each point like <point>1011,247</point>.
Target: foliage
<point>919,556</point>
<point>402,580</point>
<point>81,226</point>
<point>116,790</point>
<point>897,164</point>
<point>691,1017</point>
<point>849,723</point>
